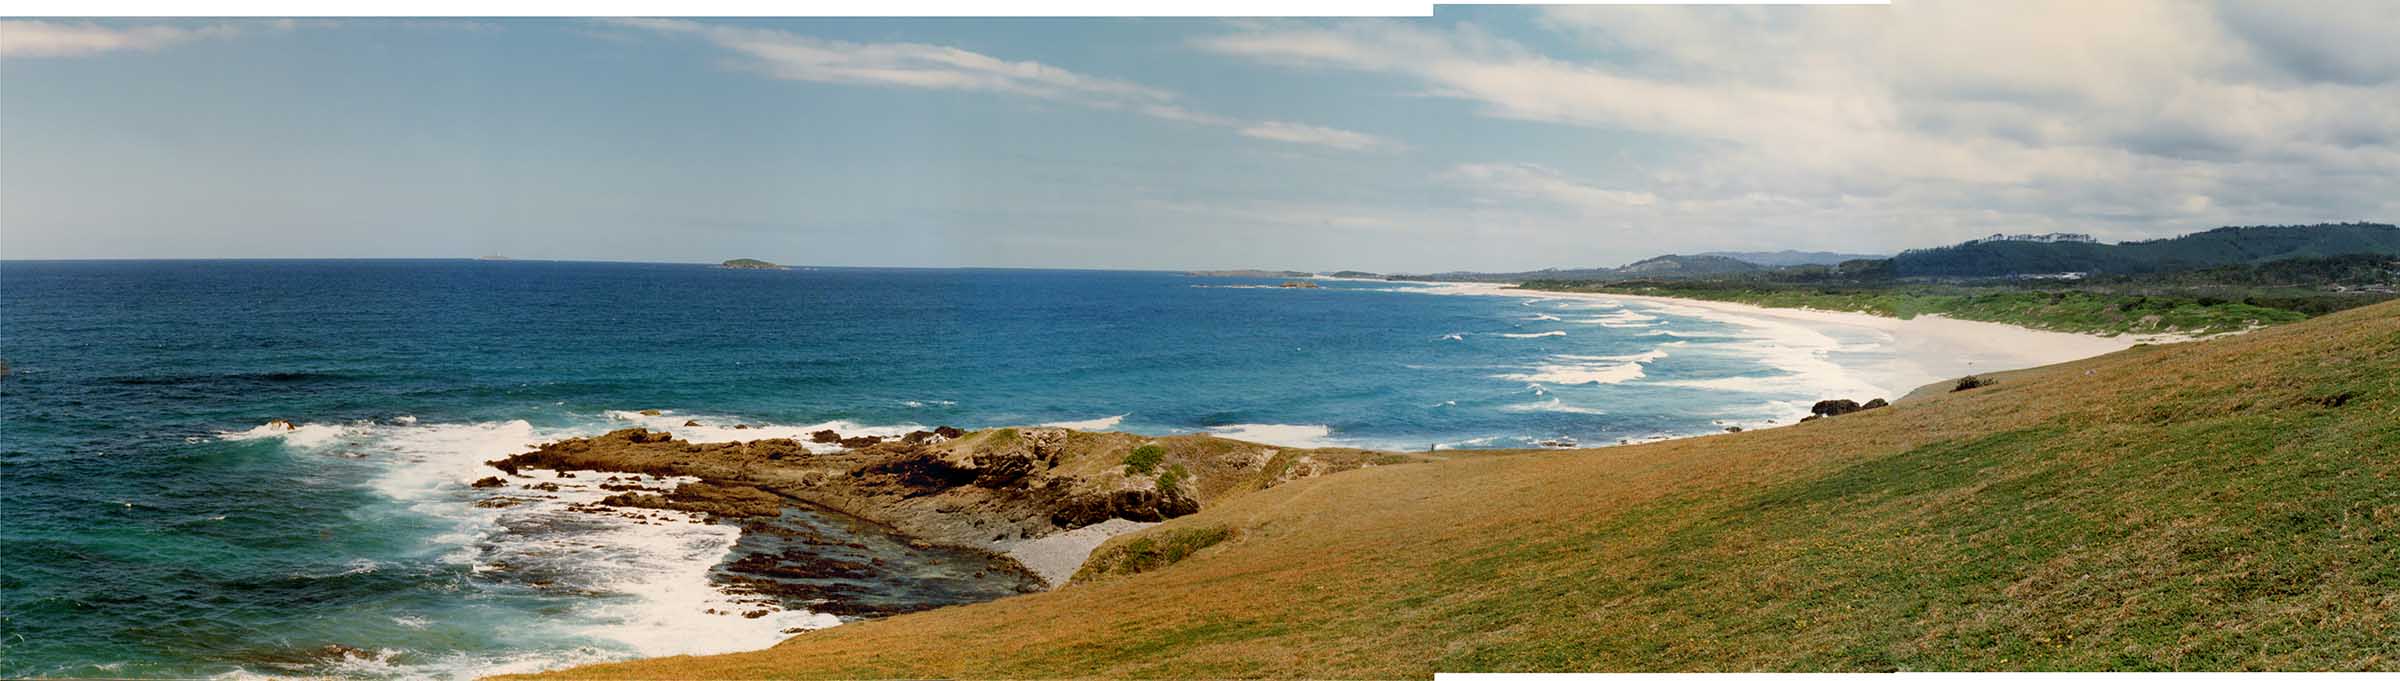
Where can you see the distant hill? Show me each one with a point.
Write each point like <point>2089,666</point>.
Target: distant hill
<point>1788,258</point>
<point>1688,266</point>
<point>1661,267</point>
<point>2004,256</point>
<point>749,264</point>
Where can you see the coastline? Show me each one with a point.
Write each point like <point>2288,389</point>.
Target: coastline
<point>1922,350</point>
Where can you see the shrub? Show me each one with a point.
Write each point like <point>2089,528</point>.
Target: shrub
<point>1145,458</point>
<point>1169,481</point>
<point>1970,383</point>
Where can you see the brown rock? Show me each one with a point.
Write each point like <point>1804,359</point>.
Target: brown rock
<point>490,481</point>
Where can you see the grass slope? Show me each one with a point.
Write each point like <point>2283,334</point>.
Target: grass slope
<point>2227,504</point>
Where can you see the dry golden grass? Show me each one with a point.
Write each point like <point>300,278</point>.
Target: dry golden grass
<point>2228,504</point>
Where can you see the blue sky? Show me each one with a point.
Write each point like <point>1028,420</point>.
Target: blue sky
<point>1482,138</point>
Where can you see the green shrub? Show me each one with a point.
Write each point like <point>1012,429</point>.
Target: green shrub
<point>1145,458</point>
<point>1172,479</point>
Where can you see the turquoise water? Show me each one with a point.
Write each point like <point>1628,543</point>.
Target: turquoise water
<point>153,527</point>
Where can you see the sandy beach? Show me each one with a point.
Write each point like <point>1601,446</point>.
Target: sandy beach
<point>1885,356</point>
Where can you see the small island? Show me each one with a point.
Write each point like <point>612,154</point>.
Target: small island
<point>749,264</point>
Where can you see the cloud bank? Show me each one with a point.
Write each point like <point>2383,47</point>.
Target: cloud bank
<point>791,56</point>
<point>1922,119</point>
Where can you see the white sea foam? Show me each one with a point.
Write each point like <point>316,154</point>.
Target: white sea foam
<point>1454,337</point>
<point>1543,318</point>
<point>1102,423</point>
<point>1622,319</point>
<point>1579,373</point>
<point>1542,334</point>
<point>641,583</point>
<point>716,428</point>
<point>1288,435</point>
<point>1553,405</point>
<point>1588,369</point>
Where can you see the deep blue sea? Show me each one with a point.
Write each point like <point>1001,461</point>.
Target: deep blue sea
<point>151,526</point>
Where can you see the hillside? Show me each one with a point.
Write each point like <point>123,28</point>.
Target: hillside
<point>2212,248</point>
<point>1788,258</point>
<point>2226,504</point>
<point>1687,266</point>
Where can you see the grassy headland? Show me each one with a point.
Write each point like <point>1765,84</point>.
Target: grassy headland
<point>2226,504</point>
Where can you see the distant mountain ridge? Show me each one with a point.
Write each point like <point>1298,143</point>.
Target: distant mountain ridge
<point>1788,258</point>
<point>2216,247</point>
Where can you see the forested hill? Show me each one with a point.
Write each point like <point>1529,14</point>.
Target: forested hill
<point>2216,247</point>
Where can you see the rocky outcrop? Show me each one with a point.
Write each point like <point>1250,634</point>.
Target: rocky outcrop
<point>1827,408</point>
<point>975,490</point>
<point>1833,407</point>
<point>727,501</point>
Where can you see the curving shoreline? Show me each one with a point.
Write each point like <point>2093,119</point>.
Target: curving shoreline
<point>1044,499</point>
<point>1924,349</point>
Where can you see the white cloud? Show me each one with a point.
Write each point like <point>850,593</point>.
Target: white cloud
<point>1526,180</point>
<point>1309,134</point>
<point>30,38</point>
<point>792,56</point>
<point>1944,117</point>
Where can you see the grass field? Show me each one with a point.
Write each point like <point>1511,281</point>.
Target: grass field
<point>2230,504</point>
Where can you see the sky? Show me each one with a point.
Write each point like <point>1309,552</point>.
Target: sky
<point>1482,138</point>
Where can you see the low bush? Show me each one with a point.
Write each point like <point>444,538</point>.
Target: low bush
<point>1145,458</point>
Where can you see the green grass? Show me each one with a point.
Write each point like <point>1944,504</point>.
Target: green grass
<point>2073,311</point>
<point>1145,458</point>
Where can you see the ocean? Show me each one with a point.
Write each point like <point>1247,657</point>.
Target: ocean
<point>151,524</point>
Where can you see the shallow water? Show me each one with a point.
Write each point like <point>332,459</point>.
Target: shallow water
<point>153,528</point>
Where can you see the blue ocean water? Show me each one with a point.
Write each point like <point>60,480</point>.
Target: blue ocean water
<point>150,526</point>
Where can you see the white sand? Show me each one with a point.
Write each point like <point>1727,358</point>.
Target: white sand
<point>1056,557</point>
<point>1918,351</point>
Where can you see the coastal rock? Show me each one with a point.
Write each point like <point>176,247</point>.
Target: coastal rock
<point>968,492</point>
<point>948,433</point>
<point>728,501</point>
<point>922,473</point>
<point>691,423</point>
<point>1140,505</point>
<point>825,437</point>
<point>650,412</point>
<point>280,424</point>
<point>488,481</point>
<point>1833,407</point>
<point>860,441</point>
